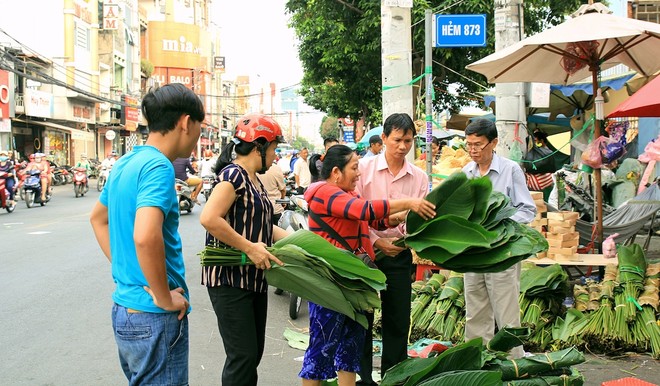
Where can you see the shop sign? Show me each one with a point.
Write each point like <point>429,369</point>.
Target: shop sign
<point>129,115</point>
<point>219,63</point>
<point>38,103</point>
<point>4,94</point>
<point>174,45</point>
<point>82,113</point>
<point>166,75</point>
<point>5,125</point>
<point>110,135</point>
<point>82,135</point>
<point>81,11</point>
<point>110,15</point>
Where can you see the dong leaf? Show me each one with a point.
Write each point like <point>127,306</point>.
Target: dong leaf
<point>453,233</point>
<point>465,377</point>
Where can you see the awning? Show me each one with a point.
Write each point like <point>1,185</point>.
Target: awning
<point>51,125</point>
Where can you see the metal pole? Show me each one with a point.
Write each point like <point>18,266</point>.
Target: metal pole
<point>428,67</point>
<point>597,176</point>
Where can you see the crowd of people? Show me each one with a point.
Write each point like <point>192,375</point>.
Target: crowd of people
<point>358,204</point>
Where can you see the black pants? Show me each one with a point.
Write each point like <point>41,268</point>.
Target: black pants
<point>241,318</point>
<point>395,316</point>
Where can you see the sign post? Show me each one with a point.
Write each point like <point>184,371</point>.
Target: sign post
<point>459,30</point>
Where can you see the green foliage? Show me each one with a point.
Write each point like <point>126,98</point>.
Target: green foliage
<point>146,67</point>
<point>329,127</point>
<point>341,52</point>
<point>300,142</point>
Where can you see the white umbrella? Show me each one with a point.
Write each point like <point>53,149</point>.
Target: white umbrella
<point>591,41</point>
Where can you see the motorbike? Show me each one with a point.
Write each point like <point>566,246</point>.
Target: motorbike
<point>80,186</point>
<point>293,218</point>
<point>103,178</point>
<point>21,175</point>
<point>32,189</point>
<point>5,194</point>
<point>183,195</point>
<point>207,185</point>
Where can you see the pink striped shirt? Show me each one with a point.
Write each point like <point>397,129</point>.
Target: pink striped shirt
<point>377,182</point>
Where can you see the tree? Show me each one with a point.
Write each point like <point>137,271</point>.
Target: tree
<point>299,142</point>
<point>341,53</point>
<point>329,127</point>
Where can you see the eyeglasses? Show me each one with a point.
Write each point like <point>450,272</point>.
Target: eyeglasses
<point>477,148</point>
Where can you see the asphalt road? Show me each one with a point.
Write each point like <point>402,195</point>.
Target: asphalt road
<point>55,326</point>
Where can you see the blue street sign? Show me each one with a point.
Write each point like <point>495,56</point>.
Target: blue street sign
<point>348,136</point>
<point>459,30</point>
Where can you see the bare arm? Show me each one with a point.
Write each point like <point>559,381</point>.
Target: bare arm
<point>213,219</point>
<point>99,221</point>
<point>150,249</point>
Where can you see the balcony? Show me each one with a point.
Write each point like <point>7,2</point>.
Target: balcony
<point>20,105</point>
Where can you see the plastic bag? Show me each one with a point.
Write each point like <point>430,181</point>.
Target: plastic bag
<point>603,151</point>
<point>609,246</point>
<point>542,164</point>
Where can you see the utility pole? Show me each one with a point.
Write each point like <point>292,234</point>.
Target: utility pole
<point>510,108</point>
<point>396,56</point>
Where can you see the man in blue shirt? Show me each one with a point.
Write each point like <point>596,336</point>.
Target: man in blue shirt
<point>493,297</point>
<point>136,224</point>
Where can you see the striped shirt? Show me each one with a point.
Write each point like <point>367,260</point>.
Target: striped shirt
<point>348,214</point>
<point>251,217</point>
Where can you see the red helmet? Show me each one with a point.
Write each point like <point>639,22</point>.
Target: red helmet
<point>253,126</point>
<point>208,153</point>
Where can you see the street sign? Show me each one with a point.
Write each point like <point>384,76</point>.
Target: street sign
<point>348,136</point>
<point>459,30</point>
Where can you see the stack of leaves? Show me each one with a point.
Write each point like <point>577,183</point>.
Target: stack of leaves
<point>646,323</point>
<point>566,331</point>
<point>472,231</point>
<point>632,268</point>
<point>580,297</point>
<point>449,308</point>
<point>423,307</point>
<point>542,291</point>
<point>315,270</point>
<point>470,363</point>
<point>598,329</point>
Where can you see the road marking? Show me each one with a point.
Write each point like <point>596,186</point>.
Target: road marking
<point>12,223</point>
<point>38,233</point>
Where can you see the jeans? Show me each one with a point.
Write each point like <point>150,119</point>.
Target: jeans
<point>153,348</point>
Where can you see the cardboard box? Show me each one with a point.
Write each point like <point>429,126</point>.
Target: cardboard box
<point>555,243</point>
<point>563,215</point>
<point>541,208</point>
<point>562,251</point>
<point>560,229</point>
<point>561,223</point>
<point>536,195</point>
<point>562,236</point>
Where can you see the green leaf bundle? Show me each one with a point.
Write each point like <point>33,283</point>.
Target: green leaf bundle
<point>537,364</point>
<point>471,231</point>
<point>315,270</point>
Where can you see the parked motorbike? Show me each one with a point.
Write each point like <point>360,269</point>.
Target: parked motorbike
<point>183,195</point>
<point>207,185</point>
<point>5,194</point>
<point>61,176</point>
<point>293,218</point>
<point>103,178</point>
<point>80,186</point>
<point>32,189</point>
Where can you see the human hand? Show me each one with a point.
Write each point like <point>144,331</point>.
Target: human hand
<point>423,208</point>
<point>261,257</point>
<point>178,302</point>
<point>386,246</point>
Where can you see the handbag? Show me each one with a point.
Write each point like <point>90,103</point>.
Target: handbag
<point>364,257</point>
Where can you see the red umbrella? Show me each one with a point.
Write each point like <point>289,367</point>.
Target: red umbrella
<point>644,103</point>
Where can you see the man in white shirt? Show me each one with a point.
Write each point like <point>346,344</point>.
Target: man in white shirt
<point>301,171</point>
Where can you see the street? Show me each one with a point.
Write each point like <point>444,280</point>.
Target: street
<point>55,327</point>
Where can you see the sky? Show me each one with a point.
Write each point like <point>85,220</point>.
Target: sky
<point>255,40</point>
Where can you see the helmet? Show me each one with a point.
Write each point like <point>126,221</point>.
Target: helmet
<point>208,153</point>
<point>251,127</point>
<point>83,155</point>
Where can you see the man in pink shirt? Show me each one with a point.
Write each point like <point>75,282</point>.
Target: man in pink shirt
<point>390,176</point>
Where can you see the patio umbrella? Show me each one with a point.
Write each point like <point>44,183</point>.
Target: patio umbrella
<point>378,130</point>
<point>643,103</point>
<point>591,41</point>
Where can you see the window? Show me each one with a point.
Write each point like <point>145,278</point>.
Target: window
<point>82,35</point>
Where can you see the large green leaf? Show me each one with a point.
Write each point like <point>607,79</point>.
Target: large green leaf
<point>465,377</point>
<point>316,245</point>
<point>482,188</point>
<point>402,371</point>
<point>453,233</point>
<point>453,196</point>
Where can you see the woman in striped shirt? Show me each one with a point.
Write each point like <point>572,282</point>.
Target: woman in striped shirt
<point>336,341</point>
<point>239,214</point>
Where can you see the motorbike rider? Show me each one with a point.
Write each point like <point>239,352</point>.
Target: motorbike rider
<point>184,171</point>
<point>206,165</point>
<point>43,166</point>
<point>6,165</point>
<point>84,163</point>
<point>108,162</point>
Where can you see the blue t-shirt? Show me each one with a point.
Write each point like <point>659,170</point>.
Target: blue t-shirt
<point>142,178</point>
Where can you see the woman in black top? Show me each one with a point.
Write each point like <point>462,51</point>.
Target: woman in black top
<point>239,214</point>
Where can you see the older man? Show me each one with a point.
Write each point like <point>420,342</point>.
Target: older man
<point>493,297</point>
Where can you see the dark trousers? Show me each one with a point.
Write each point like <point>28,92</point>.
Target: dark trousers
<point>241,318</point>
<point>395,316</point>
